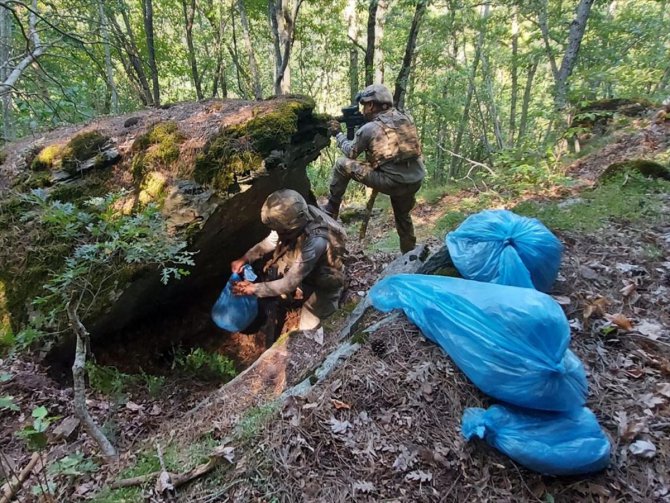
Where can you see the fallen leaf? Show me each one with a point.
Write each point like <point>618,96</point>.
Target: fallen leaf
<point>663,389</point>
<point>596,308</point>
<point>562,300</point>
<point>643,448</point>
<point>84,488</point>
<point>651,400</point>
<point>226,452</point>
<point>588,273</point>
<point>364,486</point>
<point>155,410</point>
<point>132,406</point>
<point>339,404</point>
<point>419,476</point>
<point>628,289</point>
<point>339,426</point>
<point>620,321</point>
<point>649,329</point>
<point>634,373</point>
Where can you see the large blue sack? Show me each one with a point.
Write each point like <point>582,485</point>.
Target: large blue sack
<point>550,443</point>
<point>498,246</point>
<point>511,342</point>
<point>234,312</point>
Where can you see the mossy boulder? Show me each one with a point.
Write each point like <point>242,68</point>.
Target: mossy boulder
<point>644,167</point>
<point>596,115</point>
<point>157,149</point>
<point>241,149</point>
<point>80,148</point>
<point>208,165</point>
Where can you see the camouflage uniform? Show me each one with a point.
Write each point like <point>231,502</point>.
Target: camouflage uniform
<point>307,247</point>
<point>393,163</point>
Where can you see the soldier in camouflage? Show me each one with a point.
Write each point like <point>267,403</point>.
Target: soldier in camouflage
<point>307,247</point>
<point>393,163</point>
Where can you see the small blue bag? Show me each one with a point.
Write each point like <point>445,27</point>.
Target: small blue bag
<point>547,442</point>
<point>511,342</point>
<point>498,246</point>
<point>235,312</point>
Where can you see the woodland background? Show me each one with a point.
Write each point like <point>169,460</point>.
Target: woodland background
<point>498,82</point>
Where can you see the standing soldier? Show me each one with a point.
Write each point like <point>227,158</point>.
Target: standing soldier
<point>307,248</point>
<point>393,159</point>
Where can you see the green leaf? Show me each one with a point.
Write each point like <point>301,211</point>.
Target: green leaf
<point>5,376</point>
<point>40,412</point>
<point>7,403</point>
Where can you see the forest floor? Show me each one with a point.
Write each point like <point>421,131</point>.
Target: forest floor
<point>385,424</point>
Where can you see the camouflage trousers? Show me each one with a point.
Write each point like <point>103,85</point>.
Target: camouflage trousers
<point>319,305</point>
<point>402,194</point>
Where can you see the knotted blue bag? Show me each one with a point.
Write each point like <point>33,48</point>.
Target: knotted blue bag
<point>498,246</point>
<point>550,443</point>
<point>235,312</point>
<point>511,342</point>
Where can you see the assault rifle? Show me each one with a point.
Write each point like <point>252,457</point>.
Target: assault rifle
<point>352,118</point>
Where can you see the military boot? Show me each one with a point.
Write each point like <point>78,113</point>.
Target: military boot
<point>332,209</point>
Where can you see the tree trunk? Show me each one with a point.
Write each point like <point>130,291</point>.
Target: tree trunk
<point>403,75</point>
<point>515,75</point>
<point>283,15</point>
<point>378,65</point>
<point>577,29</point>
<point>351,20</point>
<point>370,47</point>
<point>490,103</point>
<point>111,85</point>
<point>526,100</point>
<point>455,161</point>
<point>188,8</point>
<point>148,14</point>
<point>79,385</point>
<point>251,56</point>
<point>34,50</point>
<point>5,52</point>
<point>126,39</point>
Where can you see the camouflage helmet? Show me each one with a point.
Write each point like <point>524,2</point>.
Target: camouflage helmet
<point>378,93</point>
<point>285,211</point>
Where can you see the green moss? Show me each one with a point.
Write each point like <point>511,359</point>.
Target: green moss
<point>360,337</point>
<point>6,332</point>
<point>47,157</point>
<point>644,167</point>
<point>80,148</point>
<point>152,187</point>
<point>240,149</point>
<point>3,157</point>
<point>157,149</point>
<point>622,198</point>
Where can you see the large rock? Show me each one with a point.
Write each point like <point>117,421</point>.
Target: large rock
<point>209,165</point>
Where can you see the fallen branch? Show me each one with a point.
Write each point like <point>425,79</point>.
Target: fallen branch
<point>10,489</point>
<point>475,163</point>
<point>366,216</point>
<point>179,479</point>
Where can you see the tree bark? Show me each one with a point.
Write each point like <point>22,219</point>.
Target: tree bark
<point>111,85</point>
<point>188,9</point>
<point>351,20</point>
<point>79,385</point>
<point>134,66</point>
<point>526,100</point>
<point>370,46</point>
<point>577,29</point>
<point>251,56</point>
<point>515,75</point>
<point>410,48</point>
<point>283,16</point>
<point>148,11</point>
<point>380,19</point>
<point>455,161</point>
<point>5,52</point>
<point>34,50</point>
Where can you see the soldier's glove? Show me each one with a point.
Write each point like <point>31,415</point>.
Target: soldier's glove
<point>333,127</point>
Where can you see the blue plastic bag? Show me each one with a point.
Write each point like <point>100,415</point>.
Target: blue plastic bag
<point>511,342</point>
<point>235,312</point>
<point>498,246</point>
<point>547,442</point>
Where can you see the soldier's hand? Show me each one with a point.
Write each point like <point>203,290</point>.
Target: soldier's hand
<point>244,288</point>
<point>333,127</point>
<point>237,265</point>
